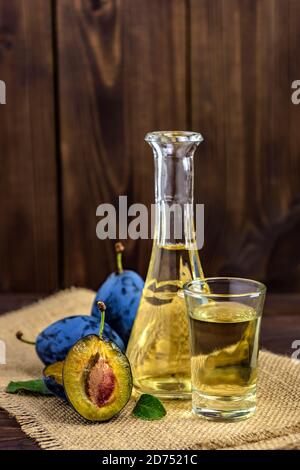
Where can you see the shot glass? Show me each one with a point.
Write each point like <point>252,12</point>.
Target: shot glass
<point>224,320</point>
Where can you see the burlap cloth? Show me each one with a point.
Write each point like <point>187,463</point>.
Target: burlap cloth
<point>54,425</point>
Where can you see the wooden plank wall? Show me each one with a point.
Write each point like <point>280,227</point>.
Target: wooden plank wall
<point>243,61</point>
<point>126,78</point>
<point>87,79</point>
<point>28,177</point>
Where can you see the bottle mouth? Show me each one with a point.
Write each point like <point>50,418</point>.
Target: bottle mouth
<point>166,137</point>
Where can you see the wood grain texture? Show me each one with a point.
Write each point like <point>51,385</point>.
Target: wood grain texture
<point>122,72</point>
<point>241,75</point>
<point>28,235</point>
<point>93,76</point>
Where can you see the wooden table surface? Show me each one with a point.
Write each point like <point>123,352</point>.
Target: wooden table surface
<point>280,327</point>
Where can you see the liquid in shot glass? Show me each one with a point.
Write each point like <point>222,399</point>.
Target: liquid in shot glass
<point>224,320</point>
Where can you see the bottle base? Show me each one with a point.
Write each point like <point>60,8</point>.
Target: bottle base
<point>165,388</point>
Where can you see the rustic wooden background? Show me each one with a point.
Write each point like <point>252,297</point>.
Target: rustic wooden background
<point>86,79</point>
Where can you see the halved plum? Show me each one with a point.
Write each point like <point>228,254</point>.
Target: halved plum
<point>97,378</point>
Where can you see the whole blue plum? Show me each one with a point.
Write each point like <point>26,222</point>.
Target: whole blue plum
<point>121,293</point>
<point>54,342</point>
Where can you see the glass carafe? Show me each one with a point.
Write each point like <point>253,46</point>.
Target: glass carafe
<point>158,348</point>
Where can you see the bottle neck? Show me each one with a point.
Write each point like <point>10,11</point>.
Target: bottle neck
<point>174,186</point>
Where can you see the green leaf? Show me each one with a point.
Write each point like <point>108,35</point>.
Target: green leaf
<point>149,407</point>
<point>29,386</point>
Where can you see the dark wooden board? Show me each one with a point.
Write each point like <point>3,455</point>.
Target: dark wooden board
<point>244,57</point>
<point>28,180</point>
<point>120,75</point>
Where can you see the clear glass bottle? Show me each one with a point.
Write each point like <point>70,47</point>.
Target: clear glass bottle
<point>158,348</point>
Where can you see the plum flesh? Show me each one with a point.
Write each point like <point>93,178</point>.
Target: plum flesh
<point>97,378</point>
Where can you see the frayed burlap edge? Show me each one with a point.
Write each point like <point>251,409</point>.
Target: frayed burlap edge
<point>40,435</point>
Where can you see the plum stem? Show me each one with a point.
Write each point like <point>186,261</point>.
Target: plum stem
<point>19,336</point>
<point>101,307</point>
<point>119,247</point>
